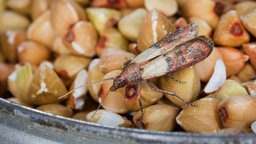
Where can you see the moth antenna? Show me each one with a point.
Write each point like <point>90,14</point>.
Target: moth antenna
<point>85,85</point>
<point>99,105</point>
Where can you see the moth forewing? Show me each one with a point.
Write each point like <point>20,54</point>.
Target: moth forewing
<point>182,56</point>
<point>168,43</point>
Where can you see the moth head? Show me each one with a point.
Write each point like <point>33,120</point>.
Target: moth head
<point>118,83</point>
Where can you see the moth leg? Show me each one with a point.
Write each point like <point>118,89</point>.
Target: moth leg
<point>100,105</point>
<point>174,79</point>
<point>153,88</point>
<point>140,122</point>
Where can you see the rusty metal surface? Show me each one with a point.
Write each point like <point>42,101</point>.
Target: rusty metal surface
<point>20,125</point>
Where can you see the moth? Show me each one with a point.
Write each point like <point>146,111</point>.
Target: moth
<point>178,50</point>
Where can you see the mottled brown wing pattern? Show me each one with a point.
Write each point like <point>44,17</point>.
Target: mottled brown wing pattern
<point>168,43</point>
<point>182,56</point>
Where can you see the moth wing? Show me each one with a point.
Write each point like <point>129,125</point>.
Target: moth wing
<point>180,57</point>
<point>168,43</point>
